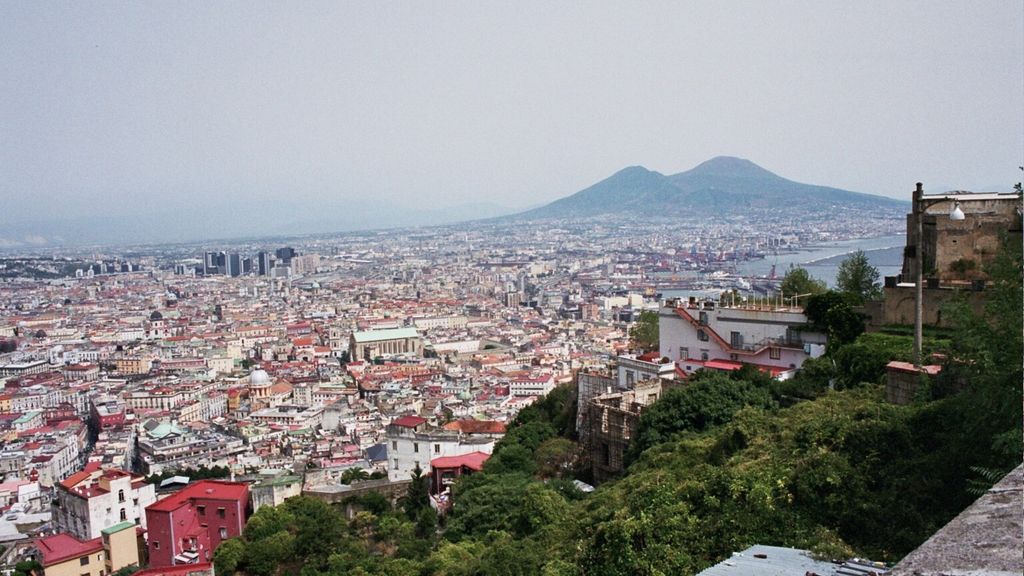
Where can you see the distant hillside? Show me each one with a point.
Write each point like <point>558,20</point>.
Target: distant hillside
<point>721,186</point>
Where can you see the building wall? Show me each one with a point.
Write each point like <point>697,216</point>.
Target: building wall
<point>275,492</point>
<point>167,529</point>
<point>897,306</point>
<point>95,566</point>
<point>975,238</point>
<point>405,451</point>
<point>85,518</point>
<point>121,549</point>
<point>758,329</point>
<point>613,422</point>
<point>589,385</point>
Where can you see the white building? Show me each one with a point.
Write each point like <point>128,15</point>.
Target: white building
<point>90,501</point>
<point>531,385</point>
<point>631,369</point>
<point>447,322</point>
<point>412,442</point>
<point>705,335</point>
<point>288,415</point>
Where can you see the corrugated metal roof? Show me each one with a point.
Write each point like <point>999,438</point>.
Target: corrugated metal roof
<point>761,560</point>
<point>769,561</point>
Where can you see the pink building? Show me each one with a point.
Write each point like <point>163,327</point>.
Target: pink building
<point>186,527</point>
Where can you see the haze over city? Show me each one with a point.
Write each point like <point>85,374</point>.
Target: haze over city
<point>287,118</point>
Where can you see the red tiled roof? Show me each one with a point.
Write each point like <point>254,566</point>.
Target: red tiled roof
<point>62,547</point>
<point>409,421</point>
<point>179,570</point>
<point>212,489</point>
<point>473,461</point>
<point>477,426</point>
<point>723,365</point>
<point>909,368</point>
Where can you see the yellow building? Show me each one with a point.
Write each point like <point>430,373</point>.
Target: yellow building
<point>134,365</point>
<point>65,555</point>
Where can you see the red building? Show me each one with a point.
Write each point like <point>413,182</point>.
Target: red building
<point>186,527</point>
<point>446,470</point>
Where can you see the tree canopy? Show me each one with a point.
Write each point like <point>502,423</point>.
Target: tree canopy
<point>857,278</point>
<point>798,281</point>
<point>644,333</point>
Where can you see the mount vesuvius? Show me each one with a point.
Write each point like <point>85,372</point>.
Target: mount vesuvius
<point>722,186</point>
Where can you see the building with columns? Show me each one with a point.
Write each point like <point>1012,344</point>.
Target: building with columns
<point>369,344</point>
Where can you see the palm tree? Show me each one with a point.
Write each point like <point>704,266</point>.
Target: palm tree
<point>356,474</point>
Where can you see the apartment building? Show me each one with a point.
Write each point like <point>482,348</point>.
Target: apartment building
<point>187,526</point>
<point>90,501</point>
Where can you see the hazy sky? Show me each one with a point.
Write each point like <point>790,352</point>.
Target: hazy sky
<point>125,107</point>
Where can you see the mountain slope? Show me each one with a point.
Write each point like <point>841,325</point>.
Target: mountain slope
<point>634,188</point>
<point>721,186</point>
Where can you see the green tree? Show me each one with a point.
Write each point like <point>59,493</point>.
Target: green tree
<point>28,568</point>
<point>266,521</point>
<point>354,475</point>
<point>318,528</point>
<point>858,278</point>
<point>832,312</point>
<point>417,497</point>
<point>798,282</point>
<point>455,559</point>
<point>709,400</point>
<point>986,353</point>
<point>227,558</point>
<point>643,335</point>
<point>270,553</point>
<point>554,457</point>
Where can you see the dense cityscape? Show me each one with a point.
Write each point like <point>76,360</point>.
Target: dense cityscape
<point>334,288</point>
<point>347,363</point>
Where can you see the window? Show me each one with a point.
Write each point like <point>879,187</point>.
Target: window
<point>437,448</point>
<point>702,336</point>
<point>736,339</point>
<point>396,464</point>
<point>684,353</point>
<point>124,515</point>
<point>220,512</point>
<point>704,355</point>
<point>83,561</point>
<point>156,545</point>
<point>201,510</point>
<point>223,533</point>
<point>415,446</point>
<point>120,495</point>
<point>775,353</point>
<point>703,318</point>
<point>630,378</point>
<point>394,444</point>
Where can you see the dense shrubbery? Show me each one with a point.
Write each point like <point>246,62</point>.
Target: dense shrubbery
<point>201,473</point>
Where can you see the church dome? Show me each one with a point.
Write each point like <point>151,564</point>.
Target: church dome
<point>259,377</point>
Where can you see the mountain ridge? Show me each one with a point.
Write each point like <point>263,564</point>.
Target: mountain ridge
<point>720,186</point>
